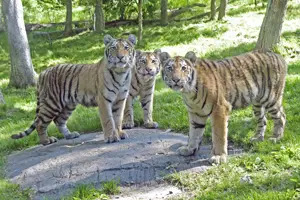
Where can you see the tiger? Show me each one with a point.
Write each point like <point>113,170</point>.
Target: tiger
<point>212,88</point>
<point>104,84</point>
<point>143,83</point>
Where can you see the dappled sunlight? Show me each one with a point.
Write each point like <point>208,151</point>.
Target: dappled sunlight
<point>4,82</point>
<point>26,106</point>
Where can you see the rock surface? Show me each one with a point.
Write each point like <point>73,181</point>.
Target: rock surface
<point>140,160</point>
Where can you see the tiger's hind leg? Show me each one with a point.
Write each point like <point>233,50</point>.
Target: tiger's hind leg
<point>277,114</point>
<point>44,117</point>
<point>259,113</point>
<point>61,123</point>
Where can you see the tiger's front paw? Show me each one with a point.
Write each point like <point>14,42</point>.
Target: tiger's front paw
<point>123,135</point>
<point>72,135</point>
<point>218,159</point>
<point>49,140</point>
<point>128,125</point>
<point>275,139</point>
<point>185,151</point>
<point>258,138</point>
<point>114,137</point>
<point>151,125</point>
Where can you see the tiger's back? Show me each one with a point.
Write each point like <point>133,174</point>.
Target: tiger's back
<point>256,77</point>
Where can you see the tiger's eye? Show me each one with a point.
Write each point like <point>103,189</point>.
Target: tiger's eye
<point>170,68</point>
<point>153,61</point>
<point>143,61</point>
<point>126,47</point>
<point>183,68</point>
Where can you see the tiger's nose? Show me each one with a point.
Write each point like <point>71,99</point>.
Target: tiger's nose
<point>120,57</point>
<point>149,70</point>
<point>176,80</point>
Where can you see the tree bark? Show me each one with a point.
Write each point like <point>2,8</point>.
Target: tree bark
<point>270,29</point>
<point>212,9</point>
<point>181,10</point>
<point>68,25</point>
<point>1,98</point>
<point>140,32</point>
<point>222,11</point>
<point>164,12</point>
<point>1,21</point>
<point>122,10</point>
<point>99,25</point>
<point>22,73</point>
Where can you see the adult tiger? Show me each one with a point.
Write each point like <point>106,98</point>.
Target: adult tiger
<point>104,84</point>
<point>143,83</point>
<point>213,88</point>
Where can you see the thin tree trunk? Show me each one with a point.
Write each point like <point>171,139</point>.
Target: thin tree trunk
<point>140,32</point>
<point>164,12</point>
<point>270,29</point>
<point>1,21</point>
<point>212,9</point>
<point>1,98</point>
<point>22,73</point>
<point>99,25</point>
<point>68,25</point>
<point>122,10</point>
<point>222,11</point>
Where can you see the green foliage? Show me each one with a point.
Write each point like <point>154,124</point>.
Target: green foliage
<point>89,192</point>
<point>13,191</point>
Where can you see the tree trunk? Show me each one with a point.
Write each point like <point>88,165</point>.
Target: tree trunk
<point>1,20</point>
<point>222,11</point>
<point>122,10</point>
<point>68,25</point>
<point>1,98</point>
<point>270,29</point>
<point>22,73</point>
<point>164,12</point>
<point>99,25</point>
<point>140,32</point>
<point>212,9</point>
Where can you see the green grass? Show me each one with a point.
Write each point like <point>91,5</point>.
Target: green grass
<point>90,192</point>
<point>275,174</point>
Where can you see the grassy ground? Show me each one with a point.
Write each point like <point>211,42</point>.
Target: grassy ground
<point>273,168</point>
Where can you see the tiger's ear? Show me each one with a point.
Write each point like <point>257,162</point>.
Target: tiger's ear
<point>107,39</point>
<point>132,39</point>
<point>164,56</point>
<point>157,51</point>
<point>191,56</point>
<point>138,53</point>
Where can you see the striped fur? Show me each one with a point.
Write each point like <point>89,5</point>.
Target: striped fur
<point>214,88</point>
<point>104,84</point>
<point>143,84</point>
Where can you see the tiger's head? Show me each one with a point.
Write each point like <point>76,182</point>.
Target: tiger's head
<point>120,53</point>
<point>179,72</point>
<point>148,64</point>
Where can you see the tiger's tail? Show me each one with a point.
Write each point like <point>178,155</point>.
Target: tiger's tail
<point>33,125</point>
<point>25,133</point>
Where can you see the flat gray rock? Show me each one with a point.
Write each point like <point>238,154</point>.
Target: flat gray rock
<point>142,159</point>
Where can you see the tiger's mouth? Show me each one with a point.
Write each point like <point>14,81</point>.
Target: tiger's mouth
<point>149,73</point>
<point>177,87</point>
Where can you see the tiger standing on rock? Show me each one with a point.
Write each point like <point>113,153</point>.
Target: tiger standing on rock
<point>143,83</point>
<point>104,84</point>
<point>214,88</point>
